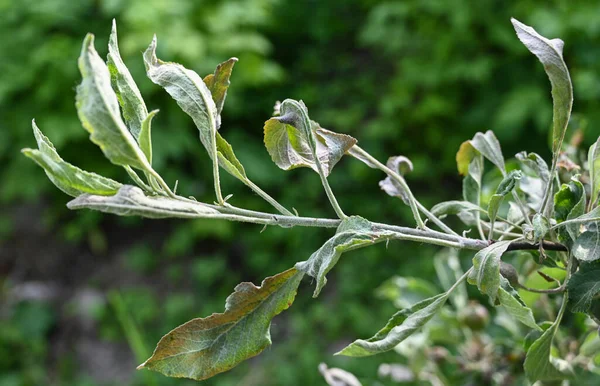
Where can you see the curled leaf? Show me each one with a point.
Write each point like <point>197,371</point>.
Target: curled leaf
<point>204,347</point>
<point>401,165</point>
<point>68,178</point>
<point>486,272</point>
<point>218,83</point>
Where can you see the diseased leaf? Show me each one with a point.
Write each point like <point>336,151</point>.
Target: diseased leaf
<point>539,364</point>
<point>145,137</point>
<point>218,83</point>
<point>454,207</point>
<point>400,165</point>
<point>517,309</point>
<point>402,325</point>
<point>486,272</point>
<point>131,201</point>
<point>541,227</point>
<point>68,178</point>
<point>98,110</point>
<point>129,96</point>
<point>550,53</point>
<point>594,167</point>
<point>587,246</point>
<point>569,203</point>
<point>204,347</point>
<point>294,141</point>
<point>353,232</point>
<point>505,187</point>
<point>487,144</point>
<point>536,163</point>
<point>583,286</point>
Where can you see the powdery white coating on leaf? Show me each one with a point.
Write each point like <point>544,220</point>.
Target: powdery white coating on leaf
<point>587,246</point>
<point>68,178</point>
<point>487,144</point>
<point>550,53</point>
<point>204,347</point>
<point>128,94</point>
<point>401,165</point>
<point>98,110</point>
<point>486,272</point>
<point>131,201</point>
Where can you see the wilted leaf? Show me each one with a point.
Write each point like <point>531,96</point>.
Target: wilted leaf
<point>294,141</point>
<point>587,246</point>
<point>403,324</point>
<point>487,144</point>
<point>353,232</point>
<point>131,201</point>
<point>539,364</point>
<point>400,165</point>
<point>98,110</point>
<point>550,53</point>
<point>68,178</point>
<point>486,272</point>
<point>129,96</point>
<point>204,347</point>
<point>218,83</point>
<point>583,286</point>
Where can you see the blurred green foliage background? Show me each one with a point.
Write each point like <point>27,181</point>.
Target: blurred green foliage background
<point>414,77</point>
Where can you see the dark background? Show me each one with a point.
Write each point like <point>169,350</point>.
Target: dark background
<point>404,77</point>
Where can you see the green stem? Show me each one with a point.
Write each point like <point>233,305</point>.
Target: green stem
<point>267,198</point>
<point>412,202</point>
<point>329,192</point>
<point>545,208</point>
<point>137,179</point>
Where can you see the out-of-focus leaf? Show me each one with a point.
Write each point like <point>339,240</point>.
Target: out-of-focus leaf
<point>131,201</point>
<point>68,178</point>
<point>98,110</point>
<point>487,144</point>
<point>569,203</point>
<point>539,364</point>
<point>129,96</point>
<point>218,83</point>
<point>448,270</point>
<point>583,286</point>
<point>486,272</point>
<point>145,137</point>
<point>294,141</point>
<point>353,232</point>
<point>204,347</point>
<point>454,207</point>
<point>587,246</point>
<point>550,53</point>
<point>338,377</point>
<point>505,187</point>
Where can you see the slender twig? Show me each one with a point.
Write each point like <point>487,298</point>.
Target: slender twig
<point>267,198</point>
<point>138,180</point>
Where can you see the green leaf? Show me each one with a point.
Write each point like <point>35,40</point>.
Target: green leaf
<point>517,309</point>
<point>204,347</point>
<point>353,232</point>
<point>448,270</point>
<point>583,286</point>
<point>505,187</point>
<point>68,178</point>
<point>294,141</point>
<point>486,272</point>
<point>190,93</point>
<point>541,227</point>
<point>594,167</point>
<point>402,325</point>
<point>470,164</point>
<point>145,137</point>
<point>129,96</point>
<point>536,163</point>
<point>487,144</point>
<point>98,110</point>
<point>454,207</point>
<point>218,83</point>
<point>131,201</point>
<point>539,364</point>
<point>550,53</point>
<point>569,203</point>
<point>587,246</point>
<point>228,160</point>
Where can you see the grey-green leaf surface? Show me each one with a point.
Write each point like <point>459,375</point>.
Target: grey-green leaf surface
<point>129,96</point>
<point>541,226</point>
<point>584,286</point>
<point>401,165</point>
<point>353,232</point>
<point>454,207</point>
<point>402,325</point>
<point>505,187</point>
<point>98,110</point>
<point>536,163</point>
<point>569,203</point>
<point>487,144</point>
<point>594,167</point>
<point>204,347</point>
<point>218,84</point>
<point>448,270</point>
<point>68,178</point>
<point>539,364</point>
<point>486,272</point>
<point>294,141</point>
<point>131,201</point>
<point>587,246</point>
<point>517,309</point>
<point>550,53</point>
<point>145,137</point>
<point>190,93</point>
